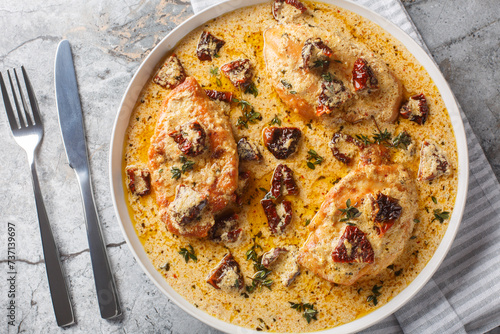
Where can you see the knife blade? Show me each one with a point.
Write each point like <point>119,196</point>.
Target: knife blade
<point>71,124</point>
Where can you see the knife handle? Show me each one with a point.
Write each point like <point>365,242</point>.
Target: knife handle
<point>104,282</point>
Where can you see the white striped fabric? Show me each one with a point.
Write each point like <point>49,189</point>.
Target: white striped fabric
<point>464,294</point>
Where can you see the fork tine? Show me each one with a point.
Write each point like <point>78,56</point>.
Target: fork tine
<point>8,106</point>
<point>18,109</point>
<point>27,114</point>
<point>31,94</point>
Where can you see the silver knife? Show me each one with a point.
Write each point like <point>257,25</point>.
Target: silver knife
<point>71,123</point>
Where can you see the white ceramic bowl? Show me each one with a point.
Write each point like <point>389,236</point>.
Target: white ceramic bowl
<point>144,73</point>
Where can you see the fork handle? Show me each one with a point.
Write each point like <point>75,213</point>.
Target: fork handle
<point>57,284</point>
<point>104,282</point>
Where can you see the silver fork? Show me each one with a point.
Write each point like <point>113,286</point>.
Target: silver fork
<point>28,132</point>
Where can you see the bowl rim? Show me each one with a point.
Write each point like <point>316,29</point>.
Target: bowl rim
<point>145,71</point>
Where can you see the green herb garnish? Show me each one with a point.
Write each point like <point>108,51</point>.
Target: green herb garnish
<point>403,139</point>
<point>215,72</point>
<point>308,309</point>
<point>383,137</point>
<point>252,89</point>
<point>275,120</point>
<point>308,221</point>
<point>375,293</point>
<point>251,117</point>
<point>176,173</point>
<point>434,200</point>
<point>188,253</point>
<point>350,212</point>
<point>321,63</point>
<point>328,77</point>
<point>313,158</point>
<point>364,139</point>
<point>440,215</point>
<point>286,84</point>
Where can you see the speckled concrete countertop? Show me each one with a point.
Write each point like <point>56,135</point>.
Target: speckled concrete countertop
<point>109,39</point>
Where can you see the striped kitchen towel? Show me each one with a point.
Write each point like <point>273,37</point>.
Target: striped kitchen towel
<point>463,296</point>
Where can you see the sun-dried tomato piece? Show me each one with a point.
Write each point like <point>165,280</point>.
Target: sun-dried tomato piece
<point>278,216</point>
<point>208,46</point>
<point>239,72</point>
<point>171,74</point>
<point>344,147</point>
<point>270,257</point>
<point>190,138</point>
<point>333,95</point>
<point>187,205</point>
<point>227,275</point>
<point>226,228</point>
<point>416,109</point>
<point>283,182</point>
<point>248,151</point>
<point>281,142</point>
<point>353,247</point>
<point>278,6</point>
<point>243,181</point>
<point>363,76</point>
<point>316,54</point>
<point>433,162</point>
<point>139,181</point>
<point>283,262</point>
<point>219,96</point>
<point>387,211</point>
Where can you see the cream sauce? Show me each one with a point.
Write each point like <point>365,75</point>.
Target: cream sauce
<point>243,32</point>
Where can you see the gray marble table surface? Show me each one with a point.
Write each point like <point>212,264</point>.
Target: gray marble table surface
<point>109,39</point>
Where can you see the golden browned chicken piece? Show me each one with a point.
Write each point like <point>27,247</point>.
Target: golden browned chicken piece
<point>193,161</point>
<point>316,73</point>
<point>364,222</point>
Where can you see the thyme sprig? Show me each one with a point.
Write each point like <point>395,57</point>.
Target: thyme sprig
<point>308,310</point>
<point>187,165</point>
<point>188,253</point>
<point>275,120</point>
<point>214,71</point>
<point>313,159</point>
<point>260,278</point>
<point>252,89</point>
<point>402,139</point>
<point>440,215</point>
<point>349,212</point>
<point>375,294</point>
